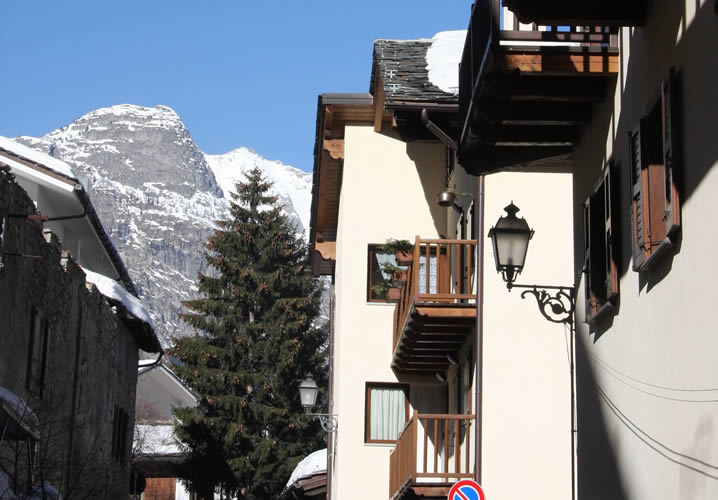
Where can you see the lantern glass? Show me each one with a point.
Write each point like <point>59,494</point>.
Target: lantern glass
<point>308,391</point>
<point>510,238</point>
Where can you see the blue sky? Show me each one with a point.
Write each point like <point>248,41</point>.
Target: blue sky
<point>238,72</point>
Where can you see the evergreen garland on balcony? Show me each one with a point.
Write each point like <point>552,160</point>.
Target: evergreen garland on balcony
<point>258,339</point>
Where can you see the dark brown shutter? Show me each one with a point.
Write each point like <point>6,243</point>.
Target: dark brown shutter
<point>670,135</point>
<point>637,178</point>
<point>590,296</point>
<point>609,203</point>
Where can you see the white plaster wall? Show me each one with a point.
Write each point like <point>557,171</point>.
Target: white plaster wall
<point>388,190</point>
<point>526,447</point>
<point>659,435</point>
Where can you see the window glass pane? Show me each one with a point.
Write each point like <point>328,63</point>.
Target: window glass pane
<point>388,413</point>
<point>432,274</point>
<point>379,280</point>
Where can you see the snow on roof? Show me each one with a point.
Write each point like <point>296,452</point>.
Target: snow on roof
<point>114,290</point>
<point>46,160</point>
<point>312,464</point>
<point>19,410</point>
<point>156,440</point>
<point>443,58</point>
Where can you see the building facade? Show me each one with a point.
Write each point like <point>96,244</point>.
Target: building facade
<point>642,155</point>
<point>406,373</point>
<point>70,328</point>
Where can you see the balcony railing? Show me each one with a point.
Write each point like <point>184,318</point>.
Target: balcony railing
<point>433,451</point>
<point>441,276</point>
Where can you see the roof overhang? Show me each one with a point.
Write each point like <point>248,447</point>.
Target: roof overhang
<point>585,12</point>
<point>334,112</point>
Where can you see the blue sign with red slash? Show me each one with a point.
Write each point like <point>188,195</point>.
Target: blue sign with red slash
<point>466,490</point>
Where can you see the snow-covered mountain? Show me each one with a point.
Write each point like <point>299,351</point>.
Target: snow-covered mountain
<point>159,196</point>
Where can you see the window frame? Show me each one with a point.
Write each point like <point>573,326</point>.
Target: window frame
<point>601,245</point>
<point>367,408</point>
<point>371,250</point>
<point>36,373</point>
<point>655,200</point>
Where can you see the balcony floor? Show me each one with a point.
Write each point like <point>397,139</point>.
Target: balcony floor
<point>431,331</point>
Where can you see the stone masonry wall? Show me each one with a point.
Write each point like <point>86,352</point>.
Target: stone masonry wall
<point>90,364</point>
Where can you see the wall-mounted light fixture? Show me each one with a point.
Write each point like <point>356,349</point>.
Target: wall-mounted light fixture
<point>447,198</point>
<point>510,237</point>
<point>308,391</point>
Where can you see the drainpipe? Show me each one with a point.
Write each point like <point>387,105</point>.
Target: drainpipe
<point>479,326</point>
<point>436,130</point>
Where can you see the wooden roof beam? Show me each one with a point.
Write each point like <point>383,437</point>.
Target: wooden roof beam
<point>546,88</point>
<point>495,110</point>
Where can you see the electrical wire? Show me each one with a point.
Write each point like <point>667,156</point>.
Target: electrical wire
<point>653,443</point>
<point>610,369</point>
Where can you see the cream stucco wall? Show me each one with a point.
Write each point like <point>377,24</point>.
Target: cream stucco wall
<point>526,448</point>
<point>389,189</point>
<point>647,427</point>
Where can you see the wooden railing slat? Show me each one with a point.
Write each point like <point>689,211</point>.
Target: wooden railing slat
<point>406,465</point>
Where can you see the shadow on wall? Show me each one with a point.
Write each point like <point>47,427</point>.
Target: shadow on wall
<point>598,476</point>
<point>430,161</point>
<point>697,153</point>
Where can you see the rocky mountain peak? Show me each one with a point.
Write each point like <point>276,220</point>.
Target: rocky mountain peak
<point>159,196</point>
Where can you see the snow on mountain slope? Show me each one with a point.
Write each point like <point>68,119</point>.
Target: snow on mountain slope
<point>159,196</point>
<point>293,186</point>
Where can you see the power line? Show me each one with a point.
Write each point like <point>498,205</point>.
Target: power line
<point>653,443</point>
<point>677,389</point>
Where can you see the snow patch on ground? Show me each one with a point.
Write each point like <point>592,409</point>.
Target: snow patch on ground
<point>443,58</point>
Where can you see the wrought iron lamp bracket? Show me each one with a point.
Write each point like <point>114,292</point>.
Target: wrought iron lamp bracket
<point>556,306</point>
<point>328,421</point>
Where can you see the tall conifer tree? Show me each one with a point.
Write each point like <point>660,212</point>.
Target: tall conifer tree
<point>258,340</point>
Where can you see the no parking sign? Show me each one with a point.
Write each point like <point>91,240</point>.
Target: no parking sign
<point>466,490</point>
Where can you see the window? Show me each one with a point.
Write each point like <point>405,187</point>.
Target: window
<point>600,246</point>
<point>120,424</point>
<point>37,355</point>
<point>387,411</point>
<point>654,164</point>
<point>378,280</point>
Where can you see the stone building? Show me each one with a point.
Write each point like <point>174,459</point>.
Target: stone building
<point>70,329</point>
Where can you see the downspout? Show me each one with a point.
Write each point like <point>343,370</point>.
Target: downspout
<point>436,130</point>
<point>479,326</point>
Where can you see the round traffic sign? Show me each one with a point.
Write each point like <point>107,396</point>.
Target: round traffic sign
<point>466,490</point>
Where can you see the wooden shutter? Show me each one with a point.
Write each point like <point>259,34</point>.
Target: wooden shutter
<point>609,205</point>
<point>638,179</point>
<point>670,136</point>
<point>587,256</point>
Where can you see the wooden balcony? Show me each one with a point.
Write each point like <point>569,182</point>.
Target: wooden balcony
<point>526,89</point>
<point>437,308</point>
<point>432,453</point>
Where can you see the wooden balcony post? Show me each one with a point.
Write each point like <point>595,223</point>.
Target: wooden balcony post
<point>413,455</point>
